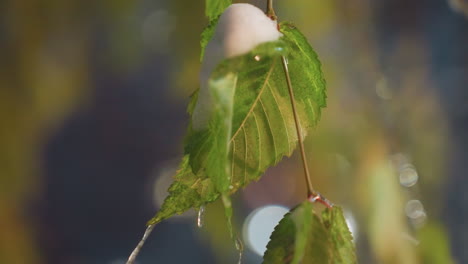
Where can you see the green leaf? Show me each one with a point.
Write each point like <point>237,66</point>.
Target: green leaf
<point>305,69</point>
<point>206,35</point>
<point>302,237</point>
<point>341,240</point>
<point>251,125</point>
<point>288,240</point>
<point>187,191</point>
<point>263,124</point>
<point>209,148</point>
<point>215,8</point>
<point>227,203</point>
<point>434,244</point>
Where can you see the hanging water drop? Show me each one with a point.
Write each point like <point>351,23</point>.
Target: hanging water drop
<point>201,216</point>
<point>240,248</point>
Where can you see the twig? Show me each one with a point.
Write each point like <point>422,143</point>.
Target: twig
<point>312,195</point>
<point>136,251</point>
<point>310,188</point>
<point>270,11</point>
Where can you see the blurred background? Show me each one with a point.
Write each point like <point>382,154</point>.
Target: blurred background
<point>92,119</point>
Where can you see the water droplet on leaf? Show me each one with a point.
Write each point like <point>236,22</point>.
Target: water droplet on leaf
<point>279,49</point>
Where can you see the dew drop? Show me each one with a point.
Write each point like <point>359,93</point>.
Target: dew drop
<point>201,216</point>
<point>259,225</point>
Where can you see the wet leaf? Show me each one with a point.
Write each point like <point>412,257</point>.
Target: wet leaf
<point>341,240</point>
<point>289,240</point>
<point>251,126</point>
<point>302,237</point>
<point>214,8</point>
<point>206,36</point>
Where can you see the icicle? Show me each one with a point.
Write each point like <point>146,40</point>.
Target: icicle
<point>201,216</point>
<point>240,248</point>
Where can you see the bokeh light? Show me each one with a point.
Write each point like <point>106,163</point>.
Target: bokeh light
<point>260,224</point>
<point>415,211</point>
<point>408,176</point>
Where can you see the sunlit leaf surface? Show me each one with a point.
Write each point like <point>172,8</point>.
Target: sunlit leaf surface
<point>251,125</point>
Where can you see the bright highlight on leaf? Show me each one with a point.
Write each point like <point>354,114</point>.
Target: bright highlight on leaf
<point>241,28</point>
<point>302,237</point>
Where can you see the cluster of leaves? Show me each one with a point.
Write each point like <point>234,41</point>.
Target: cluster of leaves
<point>251,128</point>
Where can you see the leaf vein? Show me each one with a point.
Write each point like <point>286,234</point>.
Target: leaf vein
<point>269,128</point>
<point>256,99</point>
<point>282,117</point>
<point>232,161</point>
<point>259,141</point>
<point>245,155</point>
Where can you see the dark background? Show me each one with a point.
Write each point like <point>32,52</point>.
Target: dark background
<point>93,99</point>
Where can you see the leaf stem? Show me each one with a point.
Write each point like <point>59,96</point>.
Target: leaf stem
<point>270,11</point>
<point>137,249</point>
<point>310,189</point>
<point>312,195</point>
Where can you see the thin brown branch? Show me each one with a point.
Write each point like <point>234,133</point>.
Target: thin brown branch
<point>136,251</point>
<point>310,188</point>
<point>270,10</point>
<point>312,195</point>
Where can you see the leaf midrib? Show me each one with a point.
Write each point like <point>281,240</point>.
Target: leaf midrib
<point>255,102</point>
